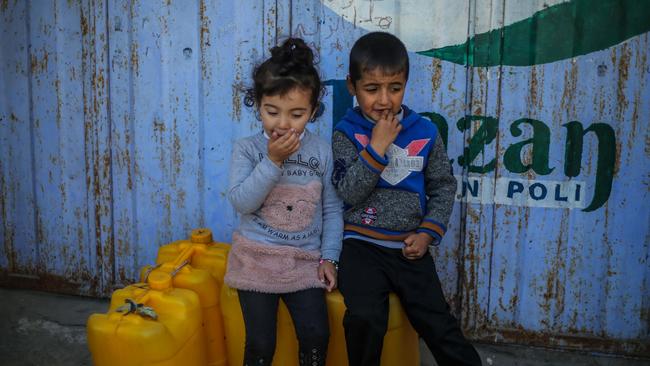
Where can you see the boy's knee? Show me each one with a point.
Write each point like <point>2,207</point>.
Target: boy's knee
<point>374,321</point>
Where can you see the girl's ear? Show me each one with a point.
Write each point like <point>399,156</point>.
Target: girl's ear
<point>317,112</point>
<point>350,84</point>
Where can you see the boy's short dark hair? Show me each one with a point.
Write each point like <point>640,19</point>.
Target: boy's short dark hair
<point>378,50</point>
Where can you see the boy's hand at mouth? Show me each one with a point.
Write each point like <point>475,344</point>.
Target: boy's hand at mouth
<point>385,132</point>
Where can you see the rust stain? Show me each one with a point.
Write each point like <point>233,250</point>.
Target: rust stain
<point>37,65</point>
<point>471,313</point>
<point>554,291</point>
<point>533,87</point>
<point>123,278</point>
<point>236,102</point>
<point>84,25</point>
<point>158,126</point>
<point>85,283</point>
<point>635,119</point>
<point>205,26</point>
<point>9,235</point>
<point>205,43</point>
<point>135,62</point>
<point>617,161</point>
<point>57,88</point>
<point>127,163</point>
<point>64,197</point>
<point>436,76</point>
<point>502,279</point>
<point>167,206</point>
<point>623,75</point>
<point>569,91</point>
<point>596,342</point>
<point>536,101</point>
<point>180,198</point>
<point>177,152</point>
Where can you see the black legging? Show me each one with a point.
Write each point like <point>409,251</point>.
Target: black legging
<point>309,314</point>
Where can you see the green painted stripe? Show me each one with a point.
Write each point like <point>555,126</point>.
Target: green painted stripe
<point>562,31</point>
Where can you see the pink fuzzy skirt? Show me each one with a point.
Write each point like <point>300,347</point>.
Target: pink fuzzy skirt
<point>271,268</point>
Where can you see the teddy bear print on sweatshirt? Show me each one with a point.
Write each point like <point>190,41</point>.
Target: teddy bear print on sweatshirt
<point>291,207</point>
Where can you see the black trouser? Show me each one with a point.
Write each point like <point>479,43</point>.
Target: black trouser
<point>308,312</point>
<point>367,274</point>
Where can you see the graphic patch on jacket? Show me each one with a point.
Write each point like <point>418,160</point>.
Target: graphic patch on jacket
<point>291,207</point>
<point>369,216</point>
<point>401,162</point>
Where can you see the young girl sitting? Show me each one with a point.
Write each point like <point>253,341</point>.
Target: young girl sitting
<point>289,238</point>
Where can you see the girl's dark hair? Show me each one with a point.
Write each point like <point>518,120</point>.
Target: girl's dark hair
<point>378,50</point>
<point>291,65</point>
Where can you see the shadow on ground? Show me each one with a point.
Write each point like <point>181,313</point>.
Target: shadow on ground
<point>39,328</point>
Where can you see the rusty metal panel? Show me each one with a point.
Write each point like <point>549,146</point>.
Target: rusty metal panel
<point>177,77</point>
<point>154,53</point>
<point>54,212</point>
<point>117,119</point>
<point>16,173</point>
<point>545,105</point>
<point>565,256</point>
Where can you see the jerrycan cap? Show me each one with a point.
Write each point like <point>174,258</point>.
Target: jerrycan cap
<point>201,235</point>
<point>159,280</point>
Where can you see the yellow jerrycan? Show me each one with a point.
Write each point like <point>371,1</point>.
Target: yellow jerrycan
<point>401,345</point>
<point>149,324</point>
<point>202,252</point>
<point>205,286</point>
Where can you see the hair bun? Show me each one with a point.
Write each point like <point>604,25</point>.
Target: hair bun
<point>292,53</point>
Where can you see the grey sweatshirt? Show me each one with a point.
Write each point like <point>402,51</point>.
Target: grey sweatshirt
<point>410,189</point>
<point>295,205</point>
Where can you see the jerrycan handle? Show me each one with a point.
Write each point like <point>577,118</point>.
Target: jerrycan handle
<point>149,270</point>
<point>185,256</point>
<point>131,306</point>
<point>177,269</point>
<point>172,273</point>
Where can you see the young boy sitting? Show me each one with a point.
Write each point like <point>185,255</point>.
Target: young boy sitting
<point>393,174</point>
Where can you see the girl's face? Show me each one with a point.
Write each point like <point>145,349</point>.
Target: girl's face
<point>281,113</point>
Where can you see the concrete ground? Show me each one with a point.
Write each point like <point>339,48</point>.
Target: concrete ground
<point>39,328</point>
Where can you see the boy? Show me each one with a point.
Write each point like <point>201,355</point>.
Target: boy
<point>393,174</point>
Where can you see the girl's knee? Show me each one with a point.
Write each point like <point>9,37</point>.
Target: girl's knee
<point>315,334</point>
<point>259,351</point>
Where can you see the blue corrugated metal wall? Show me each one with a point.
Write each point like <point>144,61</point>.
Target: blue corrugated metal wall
<point>117,118</point>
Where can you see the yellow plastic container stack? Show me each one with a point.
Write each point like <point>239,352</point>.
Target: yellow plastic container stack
<point>205,286</point>
<point>134,339</point>
<point>202,252</point>
<point>401,346</point>
<point>207,257</point>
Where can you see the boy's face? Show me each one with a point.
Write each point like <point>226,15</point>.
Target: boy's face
<point>281,113</point>
<point>377,92</point>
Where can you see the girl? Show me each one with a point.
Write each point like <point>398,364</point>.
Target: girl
<point>289,238</point>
